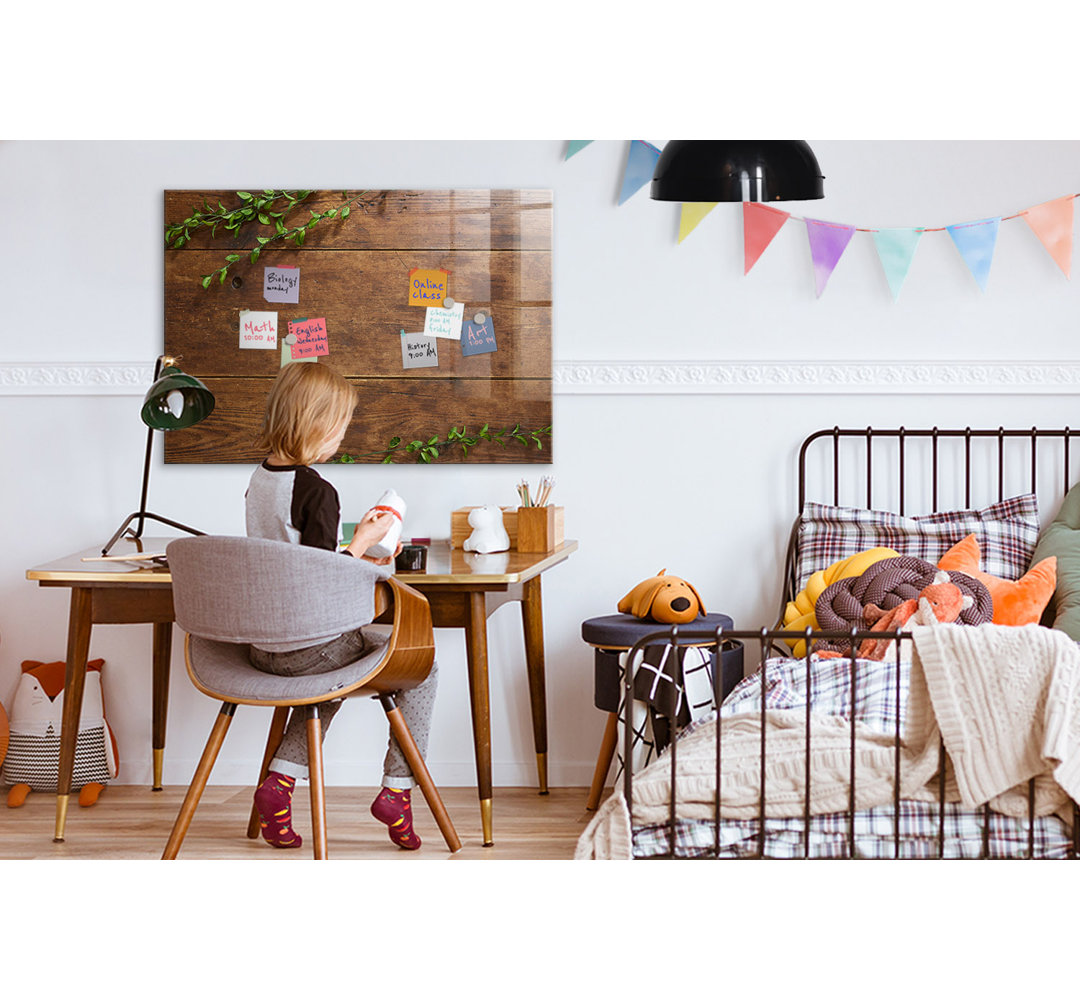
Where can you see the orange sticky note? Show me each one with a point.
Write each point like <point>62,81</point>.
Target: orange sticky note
<point>428,286</point>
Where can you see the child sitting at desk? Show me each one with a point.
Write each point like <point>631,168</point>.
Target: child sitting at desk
<point>307,413</point>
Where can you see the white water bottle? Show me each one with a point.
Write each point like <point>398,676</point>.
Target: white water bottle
<point>393,505</point>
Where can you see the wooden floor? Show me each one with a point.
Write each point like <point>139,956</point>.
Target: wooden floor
<point>131,822</point>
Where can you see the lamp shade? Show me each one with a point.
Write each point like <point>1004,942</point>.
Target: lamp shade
<point>176,401</point>
<point>712,170</point>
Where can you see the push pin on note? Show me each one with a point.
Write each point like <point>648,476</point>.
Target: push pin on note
<point>290,339</point>
<point>480,318</point>
<point>448,303</point>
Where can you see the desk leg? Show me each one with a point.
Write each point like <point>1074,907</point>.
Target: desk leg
<point>162,658</point>
<point>78,649</point>
<point>476,654</point>
<point>532,620</point>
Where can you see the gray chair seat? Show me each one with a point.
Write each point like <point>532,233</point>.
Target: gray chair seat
<point>224,668</point>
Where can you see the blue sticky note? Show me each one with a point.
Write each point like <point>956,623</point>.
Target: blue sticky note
<point>478,338</point>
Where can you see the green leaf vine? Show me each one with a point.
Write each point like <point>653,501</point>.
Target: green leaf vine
<point>427,451</point>
<point>265,214</point>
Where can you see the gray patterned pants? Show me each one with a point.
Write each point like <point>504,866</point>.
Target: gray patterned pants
<point>416,704</point>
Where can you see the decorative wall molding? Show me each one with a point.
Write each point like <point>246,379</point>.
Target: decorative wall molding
<point>50,378</point>
<point>831,377</point>
<point>585,378</point>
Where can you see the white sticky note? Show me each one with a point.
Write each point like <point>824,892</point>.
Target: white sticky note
<point>440,322</point>
<point>419,351</point>
<point>258,330</point>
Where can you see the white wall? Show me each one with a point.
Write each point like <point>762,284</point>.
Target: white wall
<point>698,480</point>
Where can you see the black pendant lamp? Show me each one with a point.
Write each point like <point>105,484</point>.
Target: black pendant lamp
<point>736,170</point>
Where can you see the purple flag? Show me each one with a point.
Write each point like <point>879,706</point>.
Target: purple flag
<point>828,241</point>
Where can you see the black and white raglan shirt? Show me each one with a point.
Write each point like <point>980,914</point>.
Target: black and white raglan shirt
<point>292,503</point>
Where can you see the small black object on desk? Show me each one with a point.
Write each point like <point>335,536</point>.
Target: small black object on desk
<point>411,559</point>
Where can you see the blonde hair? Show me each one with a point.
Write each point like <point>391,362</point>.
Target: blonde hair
<point>307,403</point>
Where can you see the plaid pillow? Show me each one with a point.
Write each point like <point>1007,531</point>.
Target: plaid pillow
<point>1007,532</point>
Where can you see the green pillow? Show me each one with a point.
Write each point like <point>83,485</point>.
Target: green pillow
<point>1061,538</point>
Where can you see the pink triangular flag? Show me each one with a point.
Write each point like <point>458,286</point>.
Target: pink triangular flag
<point>760,224</point>
<point>1052,222</point>
<point>828,241</point>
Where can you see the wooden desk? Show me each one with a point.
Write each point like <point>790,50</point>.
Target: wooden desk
<point>463,590</point>
<point>109,593</point>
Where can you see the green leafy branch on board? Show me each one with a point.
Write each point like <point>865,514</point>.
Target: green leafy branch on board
<point>267,211</point>
<point>435,447</point>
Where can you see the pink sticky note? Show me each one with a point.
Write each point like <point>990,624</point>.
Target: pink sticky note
<point>311,340</point>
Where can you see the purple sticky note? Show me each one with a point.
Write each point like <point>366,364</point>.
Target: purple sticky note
<point>281,284</point>
<point>478,338</point>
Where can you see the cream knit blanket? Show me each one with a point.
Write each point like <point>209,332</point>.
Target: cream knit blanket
<point>1006,701</point>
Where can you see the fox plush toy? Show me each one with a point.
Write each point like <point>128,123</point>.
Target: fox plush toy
<point>33,757</point>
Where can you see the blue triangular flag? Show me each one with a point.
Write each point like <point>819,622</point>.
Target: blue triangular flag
<point>575,146</point>
<point>896,247</point>
<point>975,241</point>
<point>640,164</point>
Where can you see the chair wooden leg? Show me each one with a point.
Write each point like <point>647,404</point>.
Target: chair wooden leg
<point>273,741</point>
<point>315,778</point>
<point>603,760</point>
<point>411,751</point>
<point>198,781</point>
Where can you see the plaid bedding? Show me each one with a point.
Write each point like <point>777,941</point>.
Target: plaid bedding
<point>1007,531</point>
<point>878,703</point>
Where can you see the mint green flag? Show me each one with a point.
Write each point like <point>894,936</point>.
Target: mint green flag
<point>575,146</point>
<point>896,247</point>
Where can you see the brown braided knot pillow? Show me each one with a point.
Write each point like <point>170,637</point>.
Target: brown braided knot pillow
<point>888,583</point>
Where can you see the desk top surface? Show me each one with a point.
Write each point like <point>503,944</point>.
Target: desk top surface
<point>445,566</point>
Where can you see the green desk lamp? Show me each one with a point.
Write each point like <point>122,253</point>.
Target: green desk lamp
<point>173,402</point>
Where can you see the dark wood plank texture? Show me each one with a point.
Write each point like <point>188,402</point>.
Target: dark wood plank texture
<point>354,273</point>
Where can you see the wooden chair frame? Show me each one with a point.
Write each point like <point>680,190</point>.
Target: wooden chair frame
<point>406,662</point>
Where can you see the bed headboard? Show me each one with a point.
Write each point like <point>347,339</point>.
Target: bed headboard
<point>926,470</point>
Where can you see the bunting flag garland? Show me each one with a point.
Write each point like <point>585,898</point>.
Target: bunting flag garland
<point>692,213</point>
<point>1052,222</point>
<point>828,241</point>
<point>640,163</point>
<point>976,241</point>
<point>760,224</point>
<point>896,248</point>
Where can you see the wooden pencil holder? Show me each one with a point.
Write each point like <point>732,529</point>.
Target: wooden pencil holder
<point>539,529</point>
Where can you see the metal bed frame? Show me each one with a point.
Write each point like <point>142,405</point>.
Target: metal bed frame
<point>767,638</point>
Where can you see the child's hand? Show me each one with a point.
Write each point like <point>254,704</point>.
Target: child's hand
<point>371,528</point>
<point>385,560</point>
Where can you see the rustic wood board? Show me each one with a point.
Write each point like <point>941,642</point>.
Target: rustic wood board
<point>354,273</point>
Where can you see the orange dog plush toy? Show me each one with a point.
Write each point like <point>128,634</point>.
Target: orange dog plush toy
<point>665,599</point>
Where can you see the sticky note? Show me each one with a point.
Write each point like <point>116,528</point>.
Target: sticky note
<point>439,322</point>
<point>281,284</point>
<point>286,355</point>
<point>258,330</point>
<point>427,286</point>
<point>478,338</point>
<point>311,339</point>
<point>419,351</point>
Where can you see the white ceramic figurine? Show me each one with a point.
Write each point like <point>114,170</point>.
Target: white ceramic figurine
<point>488,532</point>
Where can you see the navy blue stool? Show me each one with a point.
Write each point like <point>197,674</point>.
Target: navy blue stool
<point>615,634</point>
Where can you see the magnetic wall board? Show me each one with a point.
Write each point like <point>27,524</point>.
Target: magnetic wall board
<point>355,275</point>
